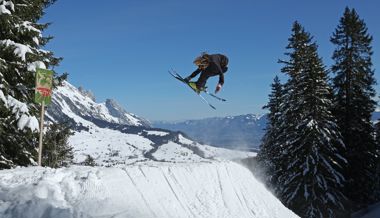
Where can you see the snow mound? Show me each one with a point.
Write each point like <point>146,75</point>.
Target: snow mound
<point>153,189</point>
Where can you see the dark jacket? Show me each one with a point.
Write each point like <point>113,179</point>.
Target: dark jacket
<point>217,66</point>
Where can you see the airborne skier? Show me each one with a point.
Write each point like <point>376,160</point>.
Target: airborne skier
<point>208,65</point>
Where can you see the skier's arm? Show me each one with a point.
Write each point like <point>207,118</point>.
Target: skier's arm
<point>194,74</point>
<point>220,83</point>
<point>221,79</point>
<point>221,75</point>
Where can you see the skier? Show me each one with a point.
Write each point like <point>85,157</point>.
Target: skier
<point>208,65</point>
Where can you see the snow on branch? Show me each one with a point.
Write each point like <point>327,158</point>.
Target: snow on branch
<point>3,7</point>
<point>20,49</point>
<point>37,64</point>
<point>2,98</point>
<point>20,110</point>
<point>28,26</point>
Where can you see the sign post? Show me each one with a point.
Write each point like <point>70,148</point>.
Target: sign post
<point>44,81</point>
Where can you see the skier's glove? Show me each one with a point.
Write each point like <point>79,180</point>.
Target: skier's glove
<point>218,88</point>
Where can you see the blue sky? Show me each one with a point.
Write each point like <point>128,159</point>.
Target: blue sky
<point>122,49</point>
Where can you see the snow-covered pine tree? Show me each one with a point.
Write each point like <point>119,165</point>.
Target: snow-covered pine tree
<point>354,104</point>
<point>269,148</point>
<point>21,41</point>
<point>312,178</point>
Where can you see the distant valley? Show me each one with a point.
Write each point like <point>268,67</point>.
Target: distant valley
<point>241,132</point>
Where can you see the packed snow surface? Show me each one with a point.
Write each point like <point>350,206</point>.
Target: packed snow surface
<point>151,189</point>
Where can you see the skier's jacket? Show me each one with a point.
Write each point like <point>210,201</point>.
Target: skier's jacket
<point>217,65</point>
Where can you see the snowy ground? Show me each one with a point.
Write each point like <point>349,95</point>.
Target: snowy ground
<point>111,147</point>
<point>151,189</point>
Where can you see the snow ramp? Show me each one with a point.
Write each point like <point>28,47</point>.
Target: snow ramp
<point>148,190</point>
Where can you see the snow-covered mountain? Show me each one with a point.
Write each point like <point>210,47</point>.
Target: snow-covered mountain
<point>243,131</point>
<point>69,102</point>
<point>111,135</point>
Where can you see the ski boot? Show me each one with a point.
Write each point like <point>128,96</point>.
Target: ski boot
<point>193,85</point>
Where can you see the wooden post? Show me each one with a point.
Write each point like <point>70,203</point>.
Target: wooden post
<point>41,133</point>
<point>44,82</point>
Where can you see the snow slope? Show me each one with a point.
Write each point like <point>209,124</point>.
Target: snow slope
<point>147,190</point>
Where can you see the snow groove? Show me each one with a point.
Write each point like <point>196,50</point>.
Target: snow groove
<point>221,188</point>
<point>173,191</point>
<point>236,192</point>
<point>140,192</point>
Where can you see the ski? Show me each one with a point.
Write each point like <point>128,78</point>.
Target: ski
<point>212,106</point>
<point>180,78</point>
<point>216,97</point>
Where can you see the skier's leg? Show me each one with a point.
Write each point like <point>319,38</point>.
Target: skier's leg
<point>202,81</point>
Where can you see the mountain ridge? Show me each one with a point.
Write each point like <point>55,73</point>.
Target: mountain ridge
<point>238,132</point>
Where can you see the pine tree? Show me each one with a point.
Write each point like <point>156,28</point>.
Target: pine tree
<point>311,180</point>
<point>269,148</point>
<point>89,161</point>
<point>353,88</point>
<point>57,152</point>
<point>21,41</point>
<point>376,193</point>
